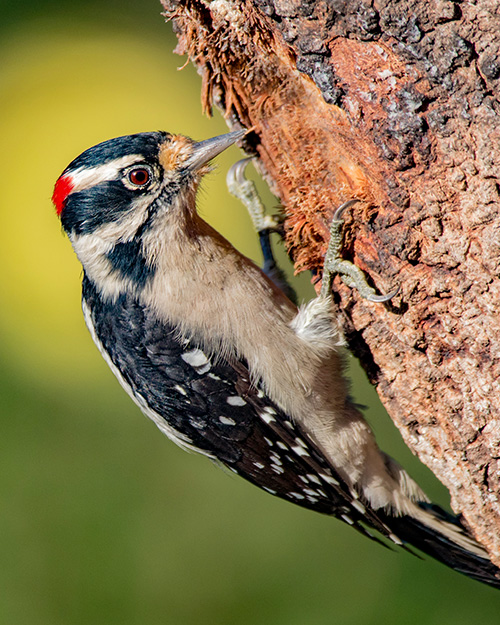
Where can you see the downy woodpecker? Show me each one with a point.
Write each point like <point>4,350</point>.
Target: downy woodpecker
<point>220,359</point>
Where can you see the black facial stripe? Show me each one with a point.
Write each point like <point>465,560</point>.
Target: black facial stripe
<point>128,260</point>
<point>87,210</point>
<point>144,143</point>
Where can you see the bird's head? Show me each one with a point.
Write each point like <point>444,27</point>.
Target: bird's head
<point>114,193</point>
<point>120,180</point>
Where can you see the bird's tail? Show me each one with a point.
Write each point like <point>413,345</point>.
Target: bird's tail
<point>442,536</point>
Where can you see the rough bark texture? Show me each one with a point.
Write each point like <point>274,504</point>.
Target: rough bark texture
<point>396,103</point>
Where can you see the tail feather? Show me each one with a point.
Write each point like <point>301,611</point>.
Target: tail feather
<point>442,536</point>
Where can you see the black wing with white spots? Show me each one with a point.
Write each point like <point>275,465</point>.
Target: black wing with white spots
<point>213,408</point>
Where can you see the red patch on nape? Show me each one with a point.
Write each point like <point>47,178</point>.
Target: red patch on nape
<point>63,188</point>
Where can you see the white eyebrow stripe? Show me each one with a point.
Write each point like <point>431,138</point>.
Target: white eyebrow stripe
<point>86,177</point>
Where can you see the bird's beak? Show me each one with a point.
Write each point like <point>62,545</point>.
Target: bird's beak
<point>205,151</point>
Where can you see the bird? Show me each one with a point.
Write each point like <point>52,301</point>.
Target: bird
<point>215,353</point>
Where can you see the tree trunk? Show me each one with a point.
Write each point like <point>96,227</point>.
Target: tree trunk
<point>394,102</point>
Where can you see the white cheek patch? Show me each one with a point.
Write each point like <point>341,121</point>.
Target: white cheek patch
<point>86,177</point>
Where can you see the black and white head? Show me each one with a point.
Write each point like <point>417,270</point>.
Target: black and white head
<point>114,193</point>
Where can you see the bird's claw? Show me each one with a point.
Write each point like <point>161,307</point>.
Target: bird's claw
<point>244,189</point>
<point>348,271</point>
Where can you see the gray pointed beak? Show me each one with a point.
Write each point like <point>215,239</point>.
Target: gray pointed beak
<point>205,151</point>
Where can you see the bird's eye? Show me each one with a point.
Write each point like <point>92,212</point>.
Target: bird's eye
<point>139,176</point>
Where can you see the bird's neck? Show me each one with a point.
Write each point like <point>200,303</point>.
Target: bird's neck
<point>124,258</point>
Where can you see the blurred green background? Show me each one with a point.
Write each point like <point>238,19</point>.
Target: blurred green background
<point>102,519</point>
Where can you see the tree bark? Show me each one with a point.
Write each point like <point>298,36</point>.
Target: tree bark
<point>394,102</point>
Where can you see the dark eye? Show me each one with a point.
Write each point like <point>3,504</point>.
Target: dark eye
<point>139,176</point>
